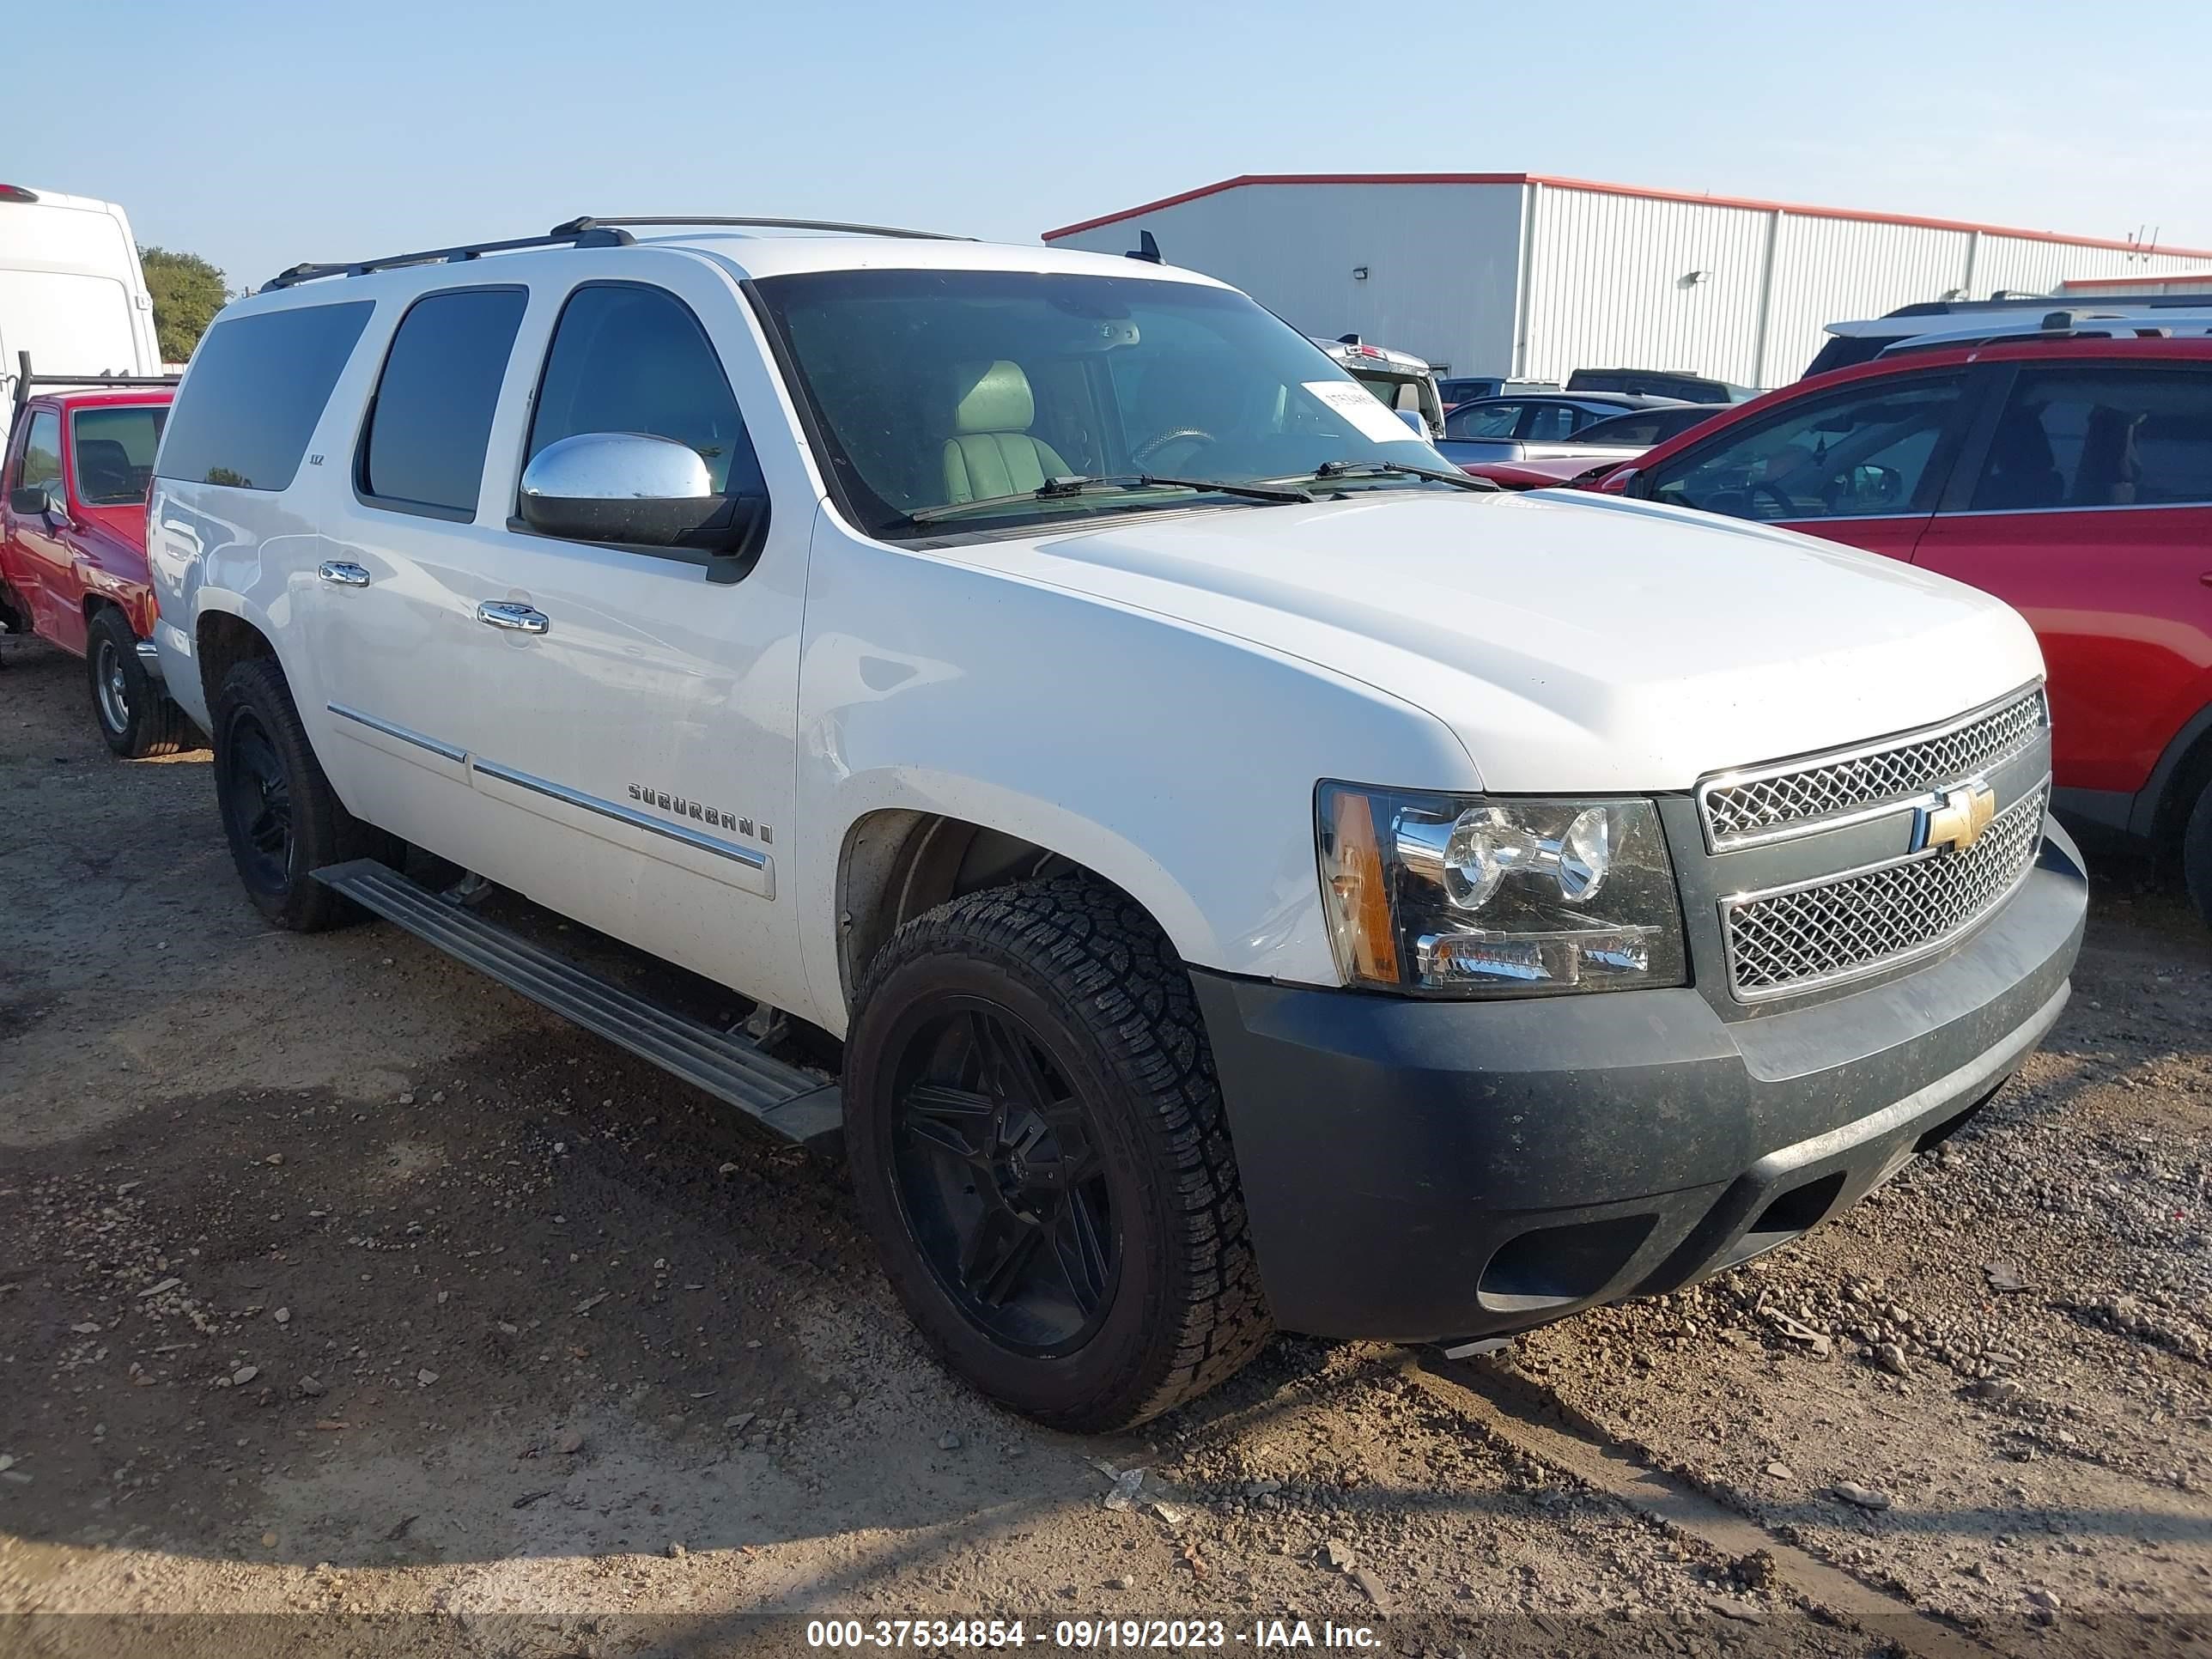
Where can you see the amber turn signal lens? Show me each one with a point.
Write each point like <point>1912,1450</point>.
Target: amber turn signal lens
<point>1366,937</point>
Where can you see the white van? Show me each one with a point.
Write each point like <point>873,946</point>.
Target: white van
<point>71,292</point>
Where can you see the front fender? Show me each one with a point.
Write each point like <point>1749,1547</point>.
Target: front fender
<point>1178,763</point>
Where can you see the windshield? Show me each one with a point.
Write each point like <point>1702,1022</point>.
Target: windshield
<point>931,389</point>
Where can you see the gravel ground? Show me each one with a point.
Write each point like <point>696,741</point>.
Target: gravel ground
<point>348,1304</point>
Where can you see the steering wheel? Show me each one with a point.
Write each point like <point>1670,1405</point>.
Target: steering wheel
<point>1160,440</point>
<point>1789,510</point>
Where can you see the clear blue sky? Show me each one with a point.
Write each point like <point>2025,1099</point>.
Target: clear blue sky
<point>261,133</point>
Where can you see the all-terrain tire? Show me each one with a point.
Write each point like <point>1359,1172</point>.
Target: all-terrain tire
<point>134,714</point>
<point>2197,853</point>
<point>281,818</point>
<point>1086,972</point>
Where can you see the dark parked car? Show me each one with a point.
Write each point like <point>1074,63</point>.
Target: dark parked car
<point>1674,383</point>
<point>1466,388</point>
<point>1850,343</point>
<point>1536,423</point>
<point>1598,447</point>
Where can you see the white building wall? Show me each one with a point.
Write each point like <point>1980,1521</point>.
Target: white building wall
<point>1611,285</point>
<point>2036,267</point>
<point>1827,270</point>
<point>1600,279</point>
<point>1443,261</point>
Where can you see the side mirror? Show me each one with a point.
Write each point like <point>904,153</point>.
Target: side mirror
<point>1617,482</point>
<point>1412,418</point>
<point>29,500</point>
<point>626,486</point>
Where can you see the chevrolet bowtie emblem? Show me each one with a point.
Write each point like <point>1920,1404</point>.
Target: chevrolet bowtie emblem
<point>1958,822</point>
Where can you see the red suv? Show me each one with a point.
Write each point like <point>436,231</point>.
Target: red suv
<point>2071,477</point>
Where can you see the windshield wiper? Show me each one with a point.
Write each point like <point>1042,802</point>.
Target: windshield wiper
<point>1328,469</point>
<point>1054,490</point>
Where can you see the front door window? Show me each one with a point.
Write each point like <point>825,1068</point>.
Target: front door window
<point>1867,453</point>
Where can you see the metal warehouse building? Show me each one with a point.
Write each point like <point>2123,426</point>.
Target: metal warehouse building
<point>1516,274</point>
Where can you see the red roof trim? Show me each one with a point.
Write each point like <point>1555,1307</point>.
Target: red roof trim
<point>1293,179</point>
<point>1801,210</point>
<point>2140,281</point>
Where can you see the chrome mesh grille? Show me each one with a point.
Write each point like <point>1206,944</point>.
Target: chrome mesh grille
<point>1740,808</point>
<point>1858,923</point>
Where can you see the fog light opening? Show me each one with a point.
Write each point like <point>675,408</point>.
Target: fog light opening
<point>1556,1267</point>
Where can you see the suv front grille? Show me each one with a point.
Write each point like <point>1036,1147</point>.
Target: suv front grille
<point>1740,809</point>
<point>1839,927</point>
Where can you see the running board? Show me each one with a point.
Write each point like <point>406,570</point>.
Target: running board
<point>797,1105</point>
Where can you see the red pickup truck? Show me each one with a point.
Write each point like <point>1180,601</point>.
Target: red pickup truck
<point>73,549</point>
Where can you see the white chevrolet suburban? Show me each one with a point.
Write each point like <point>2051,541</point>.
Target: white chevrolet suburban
<point>1258,876</point>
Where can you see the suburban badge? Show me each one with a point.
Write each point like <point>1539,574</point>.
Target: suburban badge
<point>683,806</point>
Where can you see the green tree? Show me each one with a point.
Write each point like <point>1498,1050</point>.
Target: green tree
<point>187,292</point>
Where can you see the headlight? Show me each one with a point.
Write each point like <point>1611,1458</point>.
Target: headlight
<point>1460,896</point>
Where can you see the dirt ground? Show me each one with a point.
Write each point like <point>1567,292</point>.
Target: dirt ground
<point>350,1304</point>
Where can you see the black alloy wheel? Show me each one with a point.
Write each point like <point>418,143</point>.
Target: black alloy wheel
<point>282,818</point>
<point>995,1157</point>
<point>256,793</point>
<point>1039,1151</point>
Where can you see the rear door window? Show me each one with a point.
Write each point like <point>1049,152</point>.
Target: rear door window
<point>1867,453</point>
<point>2097,436</point>
<point>115,450</point>
<point>431,418</point>
<point>255,393</point>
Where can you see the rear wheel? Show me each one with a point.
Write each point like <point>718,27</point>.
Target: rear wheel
<point>135,713</point>
<point>279,813</point>
<point>2197,853</point>
<point>1037,1142</point>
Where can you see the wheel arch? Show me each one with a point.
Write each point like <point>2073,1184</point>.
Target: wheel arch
<point>896,862</point>
<point>97,600</point>
<point>2161,807</point>
<point>221,639</point>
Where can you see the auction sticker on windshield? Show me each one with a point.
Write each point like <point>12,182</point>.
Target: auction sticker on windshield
<point>1360,406</point>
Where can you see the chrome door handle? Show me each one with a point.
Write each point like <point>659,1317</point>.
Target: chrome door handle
<point>503,613</point>
<point>342,574</point>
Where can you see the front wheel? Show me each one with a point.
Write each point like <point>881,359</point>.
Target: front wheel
<point>1037,1142</point>
<point>135,713</point>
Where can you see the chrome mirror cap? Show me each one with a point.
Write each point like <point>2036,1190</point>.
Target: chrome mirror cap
<point>616,467</point>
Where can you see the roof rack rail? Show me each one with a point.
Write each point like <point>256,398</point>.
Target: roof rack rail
<point>752,223</point>
<point>2063,324</point>
<point>585,232</point>
<point>25,380</point>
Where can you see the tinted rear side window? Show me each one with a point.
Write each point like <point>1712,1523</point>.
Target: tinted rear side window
<point>431,418</point>
<point>2101,435</point>
<point>258,386</point>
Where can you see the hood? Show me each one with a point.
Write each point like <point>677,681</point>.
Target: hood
<point>1544,473</point>
<point>1574,643</point>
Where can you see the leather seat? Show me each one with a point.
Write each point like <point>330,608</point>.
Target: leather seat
<point>104,472</point>
<point>2021,473</point>
<point>990,451</point>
